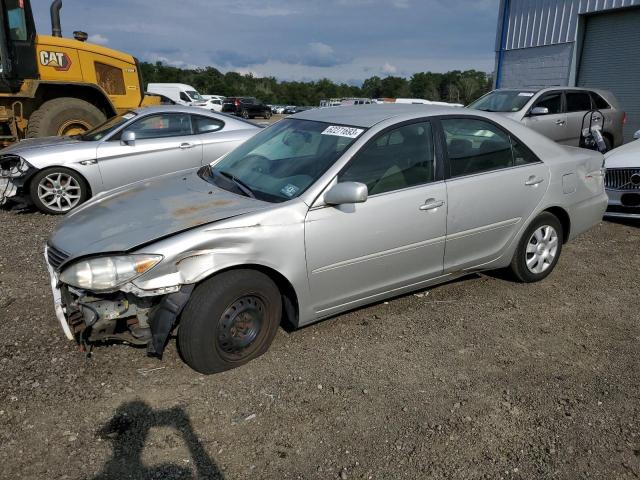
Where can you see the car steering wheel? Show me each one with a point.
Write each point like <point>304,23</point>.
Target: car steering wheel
<point>259,163</point>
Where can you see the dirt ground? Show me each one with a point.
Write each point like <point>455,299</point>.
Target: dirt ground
<point>478,379</point>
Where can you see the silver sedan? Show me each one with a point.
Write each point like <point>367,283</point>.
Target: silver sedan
<point>57,174</point>
<point>323,212</point>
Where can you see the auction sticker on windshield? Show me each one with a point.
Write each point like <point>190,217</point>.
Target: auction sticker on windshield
<point>339,131</point>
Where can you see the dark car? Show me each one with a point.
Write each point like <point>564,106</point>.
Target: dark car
<point>245,107</point>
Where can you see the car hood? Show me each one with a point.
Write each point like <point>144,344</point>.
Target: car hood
<point>626,156</point>
<point>44,142</point>
<point>123,219</point>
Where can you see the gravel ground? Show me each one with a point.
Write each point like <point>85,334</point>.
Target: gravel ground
<point>480,378</point>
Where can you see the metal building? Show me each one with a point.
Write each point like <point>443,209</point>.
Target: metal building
<point>590,43</point>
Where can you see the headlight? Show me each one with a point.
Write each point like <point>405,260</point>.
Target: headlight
<point>107,273</point>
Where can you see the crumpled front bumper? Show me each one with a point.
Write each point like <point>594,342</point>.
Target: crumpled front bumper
<point>89,317</point>
<point>14,172</point>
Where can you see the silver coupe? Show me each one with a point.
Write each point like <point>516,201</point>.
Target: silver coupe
<point>323,212</point>
<point>57,174</point>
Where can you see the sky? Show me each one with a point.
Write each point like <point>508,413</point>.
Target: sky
<point>343,40</point>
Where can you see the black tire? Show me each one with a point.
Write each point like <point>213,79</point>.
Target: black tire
<point>519,266</point>
<point>207,331</point>
<point>63,116</point>
<point>267,114</point>
<point>244,113</point>
<point>40,178</point>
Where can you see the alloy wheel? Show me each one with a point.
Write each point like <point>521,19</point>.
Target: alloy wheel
<point>59,191</point>
<point>542,249</point>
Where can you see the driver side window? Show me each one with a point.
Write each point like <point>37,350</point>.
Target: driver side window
<point>552,101</point>
<point>162,126</point>
<point>401,158</point>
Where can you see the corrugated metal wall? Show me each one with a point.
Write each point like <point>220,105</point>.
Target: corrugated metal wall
<point>535,23</point>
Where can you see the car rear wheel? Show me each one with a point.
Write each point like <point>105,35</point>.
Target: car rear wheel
<point>58,190</point>
<point>539,249</point>
<point>244,113</point>
<point>230,319</point>
<point>267,114</point>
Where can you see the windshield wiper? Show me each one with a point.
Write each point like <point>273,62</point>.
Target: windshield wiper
<point>239,183</point>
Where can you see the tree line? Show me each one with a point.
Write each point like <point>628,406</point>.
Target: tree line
<point>455,86</point>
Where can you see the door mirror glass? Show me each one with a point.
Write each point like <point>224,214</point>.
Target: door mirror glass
<point>636,135</point>
<point>539,111</point>
<point>128,138</point>
<point>346,192</point>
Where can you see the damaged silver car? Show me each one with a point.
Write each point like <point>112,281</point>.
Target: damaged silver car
<point>323,212</point>
<point>57,174</point>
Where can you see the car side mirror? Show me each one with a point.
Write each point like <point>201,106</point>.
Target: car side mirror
<point>539,111</point>
<point>346,192</point>
<point>128,138</point>
<point>636,136</point>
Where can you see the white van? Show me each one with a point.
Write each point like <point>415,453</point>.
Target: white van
<point>178,92</point>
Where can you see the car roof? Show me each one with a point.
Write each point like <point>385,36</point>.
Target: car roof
<point>550,89</point>
<point>173,109</point>
<point>366,116</point>
<point>194,111</point>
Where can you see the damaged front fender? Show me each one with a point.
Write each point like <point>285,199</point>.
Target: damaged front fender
<point>14,171</point>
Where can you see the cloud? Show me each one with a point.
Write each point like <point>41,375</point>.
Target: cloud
<point>98,39</point>
<point>389,69</point>
<point>343,40</point>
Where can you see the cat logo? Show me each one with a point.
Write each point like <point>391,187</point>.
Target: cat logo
<point>58,60</point>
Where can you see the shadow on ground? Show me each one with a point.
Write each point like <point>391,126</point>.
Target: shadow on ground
<point>128,431</point>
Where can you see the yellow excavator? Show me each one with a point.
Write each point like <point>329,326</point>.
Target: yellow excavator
<point>50,85</point>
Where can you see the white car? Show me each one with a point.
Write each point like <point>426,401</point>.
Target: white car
<point>213,102</point>
<point>622,180</point>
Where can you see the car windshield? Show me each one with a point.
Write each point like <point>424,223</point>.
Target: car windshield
<point>111,125</point>
<point>194,95</point>
<point>282,161</point>
<point>503,101</point>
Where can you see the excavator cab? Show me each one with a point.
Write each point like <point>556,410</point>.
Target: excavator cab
<point>17,45</point>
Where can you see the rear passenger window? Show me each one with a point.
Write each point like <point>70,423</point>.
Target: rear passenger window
<point>521,154</point>
<point>552,101</point>
<point>206,124</point>
<point>475,146</point>
<point>599,102</point>
<point>578,102</point>
<point>398,159</point>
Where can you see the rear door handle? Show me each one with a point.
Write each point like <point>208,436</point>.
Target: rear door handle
<point>431,204</point>
<point>560,122</point>
<point>184,146</point>
<point>533,181</point>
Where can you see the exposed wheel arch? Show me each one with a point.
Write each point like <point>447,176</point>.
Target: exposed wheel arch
<point>563,216</point>
<point>290,305</point>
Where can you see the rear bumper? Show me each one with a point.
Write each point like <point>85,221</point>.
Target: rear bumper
<point>586,214</point>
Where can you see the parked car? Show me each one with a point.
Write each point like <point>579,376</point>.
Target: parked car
<point>278,109</point>
<point>214,104</point>
<point>245,107</point>
<point>290,110</point>
<point>180,93</point>
<point>558,112</point>
<point>320,213</point>
<point>57,174</point>
<point>622,180</point>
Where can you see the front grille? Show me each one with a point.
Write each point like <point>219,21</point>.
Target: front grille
<point>56,257</point>
<point>620,178</point>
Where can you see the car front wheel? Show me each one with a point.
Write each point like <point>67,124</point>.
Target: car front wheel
<point>230,319</point>
<point>539,249</point>
<point>58,190</point>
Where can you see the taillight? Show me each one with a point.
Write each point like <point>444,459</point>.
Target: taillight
<point>624,118</point>
<point>237,102</point>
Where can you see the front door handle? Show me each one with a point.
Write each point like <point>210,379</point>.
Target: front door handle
<point>534,181</point>
<point>185,146</point>
<point>560,122</point>
<point>431,204</point>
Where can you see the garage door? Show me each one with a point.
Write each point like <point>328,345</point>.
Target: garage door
<point>611,60</point>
